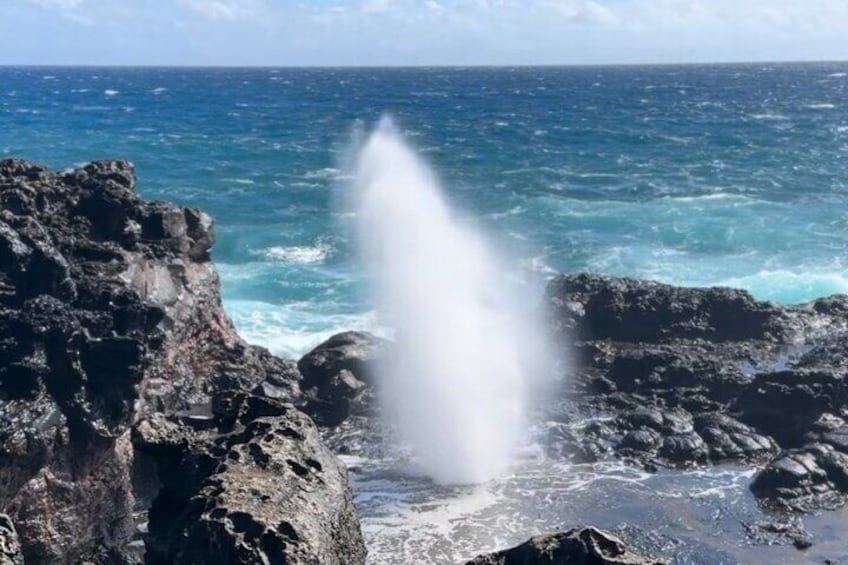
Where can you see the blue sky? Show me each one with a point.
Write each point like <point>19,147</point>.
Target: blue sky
<point>419,32</point>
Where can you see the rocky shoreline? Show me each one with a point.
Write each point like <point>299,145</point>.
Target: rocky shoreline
<point>137,426</point>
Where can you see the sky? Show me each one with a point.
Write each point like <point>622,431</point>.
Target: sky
<point>419,32</point>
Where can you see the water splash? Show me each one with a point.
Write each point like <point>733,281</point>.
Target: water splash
<point>454,386</point>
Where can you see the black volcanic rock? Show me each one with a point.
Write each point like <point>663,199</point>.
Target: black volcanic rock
<point>10,546</point>
<point>698,376</point>
<point>259,487</point>
<point>580,546</point>
<point>596,307</point>
<point>110,317</point>
<point>337,375</point>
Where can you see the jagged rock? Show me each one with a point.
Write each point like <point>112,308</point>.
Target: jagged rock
<point>589,546</point>
<point>729,439</point>
<point>337,373</point>
<point>598,307</point>
<point>787,404</point>
<point>110,313</point>
<point>10,546</point>
<point>258,488</point>
<point>805,479</point>
<point>706,375</point>
<point>781,530</point>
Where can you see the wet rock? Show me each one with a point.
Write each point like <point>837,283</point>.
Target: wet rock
<point>580,545</point>
<point>689,376</point>
<point>804,479</point>
<point>787,404</point>
<point>731,440</point>
<point>596,307</point>
<point>10,546</point>
<point>784,530</point>
<point>110,315</point>
<point>239,493</point>
<point>338,373</point>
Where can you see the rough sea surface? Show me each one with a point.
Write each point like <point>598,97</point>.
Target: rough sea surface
<point>731,174</point>
<point>698,175</point>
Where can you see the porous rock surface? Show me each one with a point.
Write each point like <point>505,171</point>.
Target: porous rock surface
<point>580,546</point>
<point>111,320</point>
<point>693,376</point>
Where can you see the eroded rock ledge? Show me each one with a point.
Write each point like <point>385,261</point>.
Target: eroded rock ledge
<point>118,368</point>
<point>695,376</point>
<point>589,546</point>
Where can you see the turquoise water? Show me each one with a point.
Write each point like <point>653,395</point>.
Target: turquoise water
<point>731,175</point>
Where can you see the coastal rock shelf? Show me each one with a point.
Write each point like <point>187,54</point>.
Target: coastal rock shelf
<point>125,431</point>
<point>694,376</point>
<point>580,545</point>
<point>679,378</point>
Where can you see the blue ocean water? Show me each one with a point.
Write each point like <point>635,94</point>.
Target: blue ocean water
<point>726,174</point>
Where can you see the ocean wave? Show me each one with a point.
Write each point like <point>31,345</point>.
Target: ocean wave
<point>238,180</point>
<point>820,106</point>
<point>109,92</point>
<point>292,330</point>
<point>515,210</point>
<point>837,75</point>
<point>297,254</point>
<point>789,286</point>
<point>768,116</point>
<point>325,173</point>
<point>713,197</point>
<point>159,90</point>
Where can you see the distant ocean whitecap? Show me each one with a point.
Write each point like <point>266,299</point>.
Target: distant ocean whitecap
<point>298,254</point>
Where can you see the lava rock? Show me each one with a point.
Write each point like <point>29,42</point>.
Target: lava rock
<point>689,376</point>
<point>599,307</point>
<point>110,315</point>
<point>338,373</point>
<point>804,479</point>
<point>579,546</point>
<point>730,440</point>
<point>787,404</point>
<point>258,488</point>
<point>10,546</point>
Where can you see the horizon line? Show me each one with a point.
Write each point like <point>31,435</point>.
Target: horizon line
<point>420,66</point>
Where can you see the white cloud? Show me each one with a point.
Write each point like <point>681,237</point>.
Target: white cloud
<point>224,10</point>
<point>448,31</point>
<point>585,12</point>
<point>62,5</point>
<point>377,6</point>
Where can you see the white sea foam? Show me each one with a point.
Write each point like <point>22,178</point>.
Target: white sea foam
<point>110,92</point>
<point>790,286</point>
<point>298,254</point>
<point>837,75</point>
<point>159,90</point>
<point>820,106</point>
<point>769,116</point>
<point>293,329</point>
<point>454,385</point>
<point>325,173</point>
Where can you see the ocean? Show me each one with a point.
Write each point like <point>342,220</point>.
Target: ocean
<point>697,175</point>
<point>694,175</point>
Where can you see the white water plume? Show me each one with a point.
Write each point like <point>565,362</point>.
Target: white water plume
<point>454,383</point>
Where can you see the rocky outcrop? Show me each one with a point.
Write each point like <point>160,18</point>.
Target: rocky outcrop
<point>697,376</point>
<point>10,546</point>
<point>584,546</point>
<point>110,318</point>
<point>258,487</point>
<point>338,375</point>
